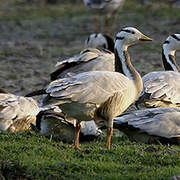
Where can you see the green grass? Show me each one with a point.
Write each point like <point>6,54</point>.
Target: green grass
<point>33,156</point>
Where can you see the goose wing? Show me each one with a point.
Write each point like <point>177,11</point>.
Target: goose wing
<point>89,87</point>
<point>163,85</point>
<point>4,96</point>
<point>16,108</point>
<point>163,122</point>
<point>88,60</point>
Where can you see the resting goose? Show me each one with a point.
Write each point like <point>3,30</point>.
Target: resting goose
<point>99,41</point>
<point>100,95</point>
<point>150,125</point>
<point>162,88</point>
<point>17,112</point>
<point>51,123</point>
<point>91,59</point>
<point>109,8</point>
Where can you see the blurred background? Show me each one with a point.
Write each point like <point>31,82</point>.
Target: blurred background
<point>35,34</point>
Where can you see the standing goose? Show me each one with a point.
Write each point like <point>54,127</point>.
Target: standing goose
<point>100,95</point>
<point>90,59</point>
<point>162,88</point>
<point>108,7</point>
<point>17,112</point>
<point>150,125</point>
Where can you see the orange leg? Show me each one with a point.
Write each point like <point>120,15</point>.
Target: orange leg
<point>106,23</point>
<point>110,24</point>
<point>78,129</point>
<point>106,27</point>
<point>109,134</point>
<point>96,23</point>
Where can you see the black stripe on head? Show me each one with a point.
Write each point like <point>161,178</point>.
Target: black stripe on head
<point>110,42</point>
<point>85,51</point>
<point>166,42</point>
<point>96,35</point>
<point>119,38</point>
<point>175,37</point>
<point>88,39</point>
<point>128,31</point>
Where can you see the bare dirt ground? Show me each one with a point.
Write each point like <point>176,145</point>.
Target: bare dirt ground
<point>34,36</point>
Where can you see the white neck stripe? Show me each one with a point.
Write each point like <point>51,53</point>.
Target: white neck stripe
<point>168,52</point>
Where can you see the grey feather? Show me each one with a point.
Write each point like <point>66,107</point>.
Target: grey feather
<point>88,60</point>
<point>17,112</point>
<point>96,87</point>
<point>163,122</point>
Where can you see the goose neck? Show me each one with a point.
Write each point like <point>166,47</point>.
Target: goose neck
<point>169,62</point>
<point>124,66</point>
<point>123,63</point>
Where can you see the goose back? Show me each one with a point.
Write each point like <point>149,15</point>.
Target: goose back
<point>88,60</point>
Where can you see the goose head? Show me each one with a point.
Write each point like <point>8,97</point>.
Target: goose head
<point>101,41</point>
<point>169,48</point>
<point>172,44</point>
<point>129,36</point>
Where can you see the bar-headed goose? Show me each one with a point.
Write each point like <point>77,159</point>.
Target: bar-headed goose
<point>100,41</point>
<point>151,125</point>
<point>109,8</point>
<point>162,88</point>
<point>100,95</point>
<point>17,112</point>
<point>90,59</point>
<point>51,123</point>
